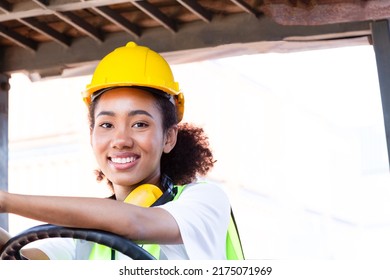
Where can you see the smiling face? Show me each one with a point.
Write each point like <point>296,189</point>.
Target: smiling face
<point>127,137</point>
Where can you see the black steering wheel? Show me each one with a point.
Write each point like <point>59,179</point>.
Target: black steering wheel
<point>11,250</point>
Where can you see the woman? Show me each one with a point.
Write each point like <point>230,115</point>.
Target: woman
<point>135,107</point>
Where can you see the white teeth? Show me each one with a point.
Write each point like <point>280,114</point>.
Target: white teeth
<point>123,160</point>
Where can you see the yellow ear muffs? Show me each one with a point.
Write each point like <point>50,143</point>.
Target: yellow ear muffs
<point>144,195</point>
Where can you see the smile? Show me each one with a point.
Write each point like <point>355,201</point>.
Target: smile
<point>123,160</point>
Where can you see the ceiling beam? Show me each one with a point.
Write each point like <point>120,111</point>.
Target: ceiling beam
<point>156,14</point>
<point>197,9</point>
<point>81,25</point>
<point>119,20</point>
<point>246,7</point>
<point>15,37</point>
<point>75,21</point>
<point>47,30</point>
<point>18,39</point>
<point>30,9</point>
<point>26,9</point>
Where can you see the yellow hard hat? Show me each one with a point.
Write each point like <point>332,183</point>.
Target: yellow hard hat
<point>139,66</point>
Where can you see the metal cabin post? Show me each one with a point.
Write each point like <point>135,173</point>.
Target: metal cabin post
<point>4,90</point>
<point>381,41</point>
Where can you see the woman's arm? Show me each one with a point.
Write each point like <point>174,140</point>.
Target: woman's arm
<point>133,222</point>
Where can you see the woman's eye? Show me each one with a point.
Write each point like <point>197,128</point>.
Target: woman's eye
<point>140,125</point>
<point>105,125</point>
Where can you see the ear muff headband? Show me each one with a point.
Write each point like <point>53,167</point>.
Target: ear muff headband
<point>147,195</point>
<point>169,193</point>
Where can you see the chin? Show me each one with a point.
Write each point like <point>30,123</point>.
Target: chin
<point>125,182</point>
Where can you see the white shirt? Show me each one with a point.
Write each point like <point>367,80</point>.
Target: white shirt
<point>202,213</point>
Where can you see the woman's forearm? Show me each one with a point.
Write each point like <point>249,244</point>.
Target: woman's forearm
<point>134,222</point>
<point>66,211</point>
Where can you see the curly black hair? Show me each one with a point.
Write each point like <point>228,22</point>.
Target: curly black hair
<point>191,156</point>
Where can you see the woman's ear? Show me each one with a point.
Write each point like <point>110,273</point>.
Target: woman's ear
<point>170,139</point>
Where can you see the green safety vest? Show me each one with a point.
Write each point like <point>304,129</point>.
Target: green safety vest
<point>233,243</point>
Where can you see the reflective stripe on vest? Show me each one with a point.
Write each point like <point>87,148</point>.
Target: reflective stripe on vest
<point>233,243</point>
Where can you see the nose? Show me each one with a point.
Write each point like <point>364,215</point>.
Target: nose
<point>122,139</point>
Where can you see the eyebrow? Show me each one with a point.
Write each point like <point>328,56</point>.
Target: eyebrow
<point>139,112</point>
<point>130,114</point>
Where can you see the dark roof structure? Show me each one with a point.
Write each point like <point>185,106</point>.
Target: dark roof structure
<point>48,36</point>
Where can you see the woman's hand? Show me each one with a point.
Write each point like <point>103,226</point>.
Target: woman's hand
<point>2,193</point>
<point>4,237</point>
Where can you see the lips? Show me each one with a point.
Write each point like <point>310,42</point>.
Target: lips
<point>123,161</point>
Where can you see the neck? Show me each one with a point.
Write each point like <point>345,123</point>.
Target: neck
<point>121,192</point>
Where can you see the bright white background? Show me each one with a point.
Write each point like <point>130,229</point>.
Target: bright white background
<point>299,140</point>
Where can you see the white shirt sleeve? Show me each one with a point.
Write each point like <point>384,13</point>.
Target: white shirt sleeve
<point>202,213</point>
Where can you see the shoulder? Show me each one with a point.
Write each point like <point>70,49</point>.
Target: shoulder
<point>200,194</point>
<point>202,186</point>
